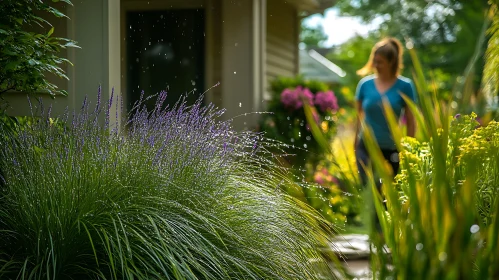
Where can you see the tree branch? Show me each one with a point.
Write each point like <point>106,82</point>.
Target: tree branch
<point>7,89</point>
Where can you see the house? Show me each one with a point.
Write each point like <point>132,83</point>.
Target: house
<point>315,66</point>
<point>180,46</point>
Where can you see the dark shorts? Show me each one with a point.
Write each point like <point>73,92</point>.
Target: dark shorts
<point>362,158</point>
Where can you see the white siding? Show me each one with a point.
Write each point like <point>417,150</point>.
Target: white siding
<point>282,40</point>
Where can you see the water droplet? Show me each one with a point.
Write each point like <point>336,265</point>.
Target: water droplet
<point>474,228</point>
<point>409,45</point>
<point>234,72</point>
<point>240,104</point>
<point>419,246</point>
<point>442,256</point>
<point>305,146</point>
<point>149,43</point>
<point>235,44</point>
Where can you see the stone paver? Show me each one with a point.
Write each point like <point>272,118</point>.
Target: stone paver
<point>359,269</point>
<point>353,250</point>
<point>352,246</point>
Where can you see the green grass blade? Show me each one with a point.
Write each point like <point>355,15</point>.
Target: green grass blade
<point>315,129</point>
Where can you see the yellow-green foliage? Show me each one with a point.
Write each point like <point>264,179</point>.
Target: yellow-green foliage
<point>482,144</point>
<point>440,219</point>
<point>468,144</point>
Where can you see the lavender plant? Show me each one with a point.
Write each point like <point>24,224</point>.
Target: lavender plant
<point>174,194</point>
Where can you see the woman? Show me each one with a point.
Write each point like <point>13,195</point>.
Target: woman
<point>386,83</point>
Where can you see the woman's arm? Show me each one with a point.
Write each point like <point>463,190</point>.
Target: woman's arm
<point>411,124</point>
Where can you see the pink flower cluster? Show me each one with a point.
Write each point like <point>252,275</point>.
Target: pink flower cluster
<point>294,98</point>
<point>326,101</point>
<point>323,177</point>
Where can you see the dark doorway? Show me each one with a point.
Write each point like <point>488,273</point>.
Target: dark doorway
<point>165,51</point>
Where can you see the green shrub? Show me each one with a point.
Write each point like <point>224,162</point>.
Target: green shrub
<point>286,121</point>
<point>27,56</point>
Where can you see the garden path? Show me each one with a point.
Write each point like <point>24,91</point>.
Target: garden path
<point>353,249</point>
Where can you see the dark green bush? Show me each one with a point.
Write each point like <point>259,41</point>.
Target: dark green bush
<point>27,56</point>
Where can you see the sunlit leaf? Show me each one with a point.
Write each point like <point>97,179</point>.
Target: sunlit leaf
<point>71,44</point>
<point>50,32</point>
<point>66,1</point>
<point>490,78</point>
<point>421,124</point>
<point>393,123</point>
<point>56,12</point>
<point>314,127</point>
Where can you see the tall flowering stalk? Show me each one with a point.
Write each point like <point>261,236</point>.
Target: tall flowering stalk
<point>175,194</point>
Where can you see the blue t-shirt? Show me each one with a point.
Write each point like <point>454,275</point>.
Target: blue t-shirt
<point>372,106</point>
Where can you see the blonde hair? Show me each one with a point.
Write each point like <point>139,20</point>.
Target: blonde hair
<point>389,48</point>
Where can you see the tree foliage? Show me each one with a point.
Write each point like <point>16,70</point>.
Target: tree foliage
<point>312,36</point>
<point>445,32</point>
<point>424,21</point>
<point>27,56</point>
<point>353,55</point>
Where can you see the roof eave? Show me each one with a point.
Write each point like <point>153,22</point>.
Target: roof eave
<point>310,7</point>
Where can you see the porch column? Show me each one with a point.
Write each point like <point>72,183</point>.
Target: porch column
<point>95,25</point>
<point>243,60</point>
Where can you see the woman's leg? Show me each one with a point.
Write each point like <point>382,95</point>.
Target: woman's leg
<point>392,156</point>
<point>362,160</point>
